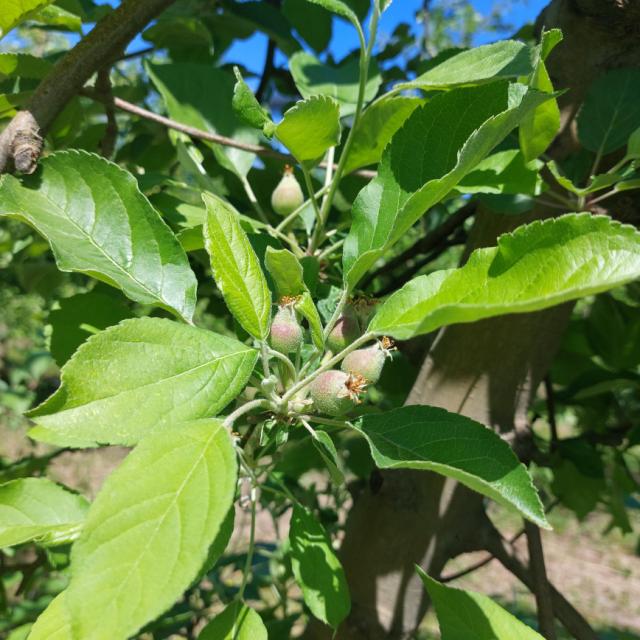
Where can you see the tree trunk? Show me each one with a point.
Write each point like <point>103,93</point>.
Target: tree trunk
<point>488,371</point>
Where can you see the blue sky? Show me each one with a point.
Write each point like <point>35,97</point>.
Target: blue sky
<point>251,51</point>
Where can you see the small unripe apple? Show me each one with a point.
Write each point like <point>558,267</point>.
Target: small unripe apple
<point>345,330</point>
<point>367,363</point>
<point>287,196</point>
<point>336,392</point>
<point>286,333</point>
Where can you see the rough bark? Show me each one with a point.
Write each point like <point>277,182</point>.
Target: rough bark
<point>489,371</point>
<point>21,140</point>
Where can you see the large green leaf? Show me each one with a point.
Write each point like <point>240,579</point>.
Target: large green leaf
<point>312,23</point>
<point>236,622</point>
<point>340,82</point>
<point>310,128</point>
<point>463,615</point>
<point>236,267</point>
<point>537,266</point>
<point>432,439</point>
<point>610,111</point>
<point>317,570</point>
<point>99,223</point>
<point>141,376</point>
<point>421,165</point>
<point>376,127</point>
<point>54,623</point>
<point>488,63</point>
<point>36,509</point>
<point>148,532</point>
<point>81,316</point>
<point>201,96</point>
<point>15,11</point>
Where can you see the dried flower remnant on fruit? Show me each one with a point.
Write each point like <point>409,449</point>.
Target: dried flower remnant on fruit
<point>336,392</point>
<point>287,196</point>
<point>289,301</point>
<point>286,333</point>
<point>369,362</point>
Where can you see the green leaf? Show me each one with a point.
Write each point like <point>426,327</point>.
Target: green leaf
<point>633,144</point>
<point>200,95</point>
<point>312,23</point>
<point>79,317</point>
<point>236,622</point>
<point>98,222</point>
<point>148,532</point>
<point>247,108</point>
<point>310,128</point>
<point>15,11</point>
<point>54,16</point>
<point>537,266</point>
<point>466,614</point>
<point>23,65</point>
<point>236,267</point>
<point>38,510</point>
<point>288,276</point>
<point>488,63</point>
<point>504,172</point>
<point>327,450</point>
<point>54,623</point>
<point>317,570</point>
<point>339,8</point>
<point>432,439</point>
<point>421,166</point>
<point>376,128</point>
<point>609,114</point>
<point>341,82</point>
<point>539,128</point>
<point>143,375</point>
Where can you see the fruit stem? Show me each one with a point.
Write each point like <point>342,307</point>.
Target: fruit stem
<point>280,356</point>
<point>336,314</point>
<point>245,408</point>
<point>312,196</point>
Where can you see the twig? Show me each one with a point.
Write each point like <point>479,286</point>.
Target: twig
<point>123,105</point>
<point>566,613</point>
<point>551,411</point>
<point>103,88</point>
<point>107,39</point>
<point>267,70</point>
<point>426,244</point>
<point>541,588</point>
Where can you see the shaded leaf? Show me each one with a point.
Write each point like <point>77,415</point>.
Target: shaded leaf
<point>340,82</point>
<point>327,449</point>
<point>23,65</point>
<point>317,570</point>
<point>99,223</point>
<point>143,375</point>
<point>199,95</point>
<point>432,439</point>
<point>420,166</point>
<point>537,266</point>
<point>38,510</point>
<point>310,21</point>
<point>236,268</point>
<point>609,114</point>
<point>376,128</point>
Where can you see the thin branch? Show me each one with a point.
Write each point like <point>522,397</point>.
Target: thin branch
<point>541,590</point>
<point>551,411</point>
<point>106,41</point>
<point>566,613</point>
<point>426,244</point>
<point>192,132</point>
<point>267,70</point>
<point>103,88</point>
